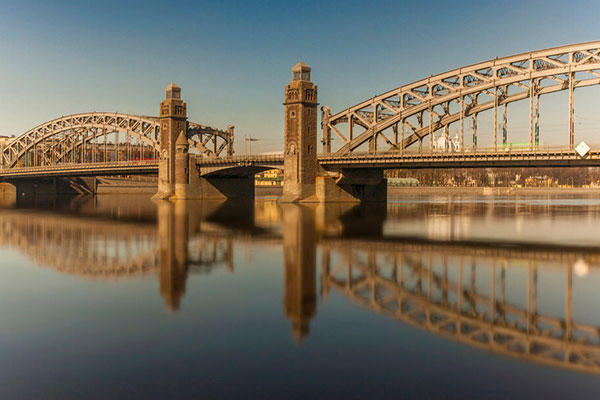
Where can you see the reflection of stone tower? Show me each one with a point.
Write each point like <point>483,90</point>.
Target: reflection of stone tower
<point>299,248</point>
<point>173,239</point>
<point>173,121</point>
<point>182,164</point>
<point>300,153</point>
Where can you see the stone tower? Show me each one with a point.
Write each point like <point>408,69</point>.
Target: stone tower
<point>300,153</point>
<point>173,121</point>
<point>182,164</point>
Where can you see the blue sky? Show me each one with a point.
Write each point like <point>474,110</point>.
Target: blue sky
<point>233,58</point>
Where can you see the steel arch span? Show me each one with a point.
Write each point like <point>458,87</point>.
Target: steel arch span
<point>408,114</point>
<point>84,138</point>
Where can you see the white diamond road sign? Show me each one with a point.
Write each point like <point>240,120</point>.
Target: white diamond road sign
<point>582,149</point>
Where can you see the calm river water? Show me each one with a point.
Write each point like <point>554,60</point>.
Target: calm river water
<point>429,297</point>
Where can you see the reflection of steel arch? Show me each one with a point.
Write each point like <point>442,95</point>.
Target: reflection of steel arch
<point>409,113</point>
<point>101,249</point>
<point>93,249</point>
<point>75,138</point>
<point>422,295</point>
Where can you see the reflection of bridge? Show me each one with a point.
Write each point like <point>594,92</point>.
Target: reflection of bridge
<point>386,131</point>
<point>465,291</point>
<point>428,290</point>
<point>90,248</point>
<point>97,248</point>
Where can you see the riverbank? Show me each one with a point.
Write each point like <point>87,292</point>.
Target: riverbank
<point>276,191</point>
<point>489,191</point>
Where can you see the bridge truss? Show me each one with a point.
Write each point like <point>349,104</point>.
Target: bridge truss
<point>407,115</point>
<point>90,138</point>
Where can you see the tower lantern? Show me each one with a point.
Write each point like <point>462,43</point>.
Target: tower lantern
<point>172,92</point>
<point>301,72</point>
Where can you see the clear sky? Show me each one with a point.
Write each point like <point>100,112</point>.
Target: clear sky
<point>233,58</point>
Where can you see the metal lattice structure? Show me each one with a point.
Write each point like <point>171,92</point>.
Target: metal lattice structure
<point>408,114</point>
<point>104,137</point>
<point>209,141</point>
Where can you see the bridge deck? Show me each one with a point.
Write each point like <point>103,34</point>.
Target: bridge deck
<point>467,159</point>
<point>483,158</point>
<point>95,169</point>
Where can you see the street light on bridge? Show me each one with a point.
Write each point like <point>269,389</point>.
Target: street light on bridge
<point>248,144</point>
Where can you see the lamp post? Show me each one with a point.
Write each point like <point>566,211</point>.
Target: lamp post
<point>248,144</point>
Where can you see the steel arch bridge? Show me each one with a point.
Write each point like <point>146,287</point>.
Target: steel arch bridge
<point>408,114</point>
<point>105,137</point>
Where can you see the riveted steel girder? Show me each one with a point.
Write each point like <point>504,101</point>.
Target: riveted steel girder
<point>54,141</point>
<point>473,88</point>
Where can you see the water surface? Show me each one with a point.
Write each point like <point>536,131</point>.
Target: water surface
<point>427,297</point>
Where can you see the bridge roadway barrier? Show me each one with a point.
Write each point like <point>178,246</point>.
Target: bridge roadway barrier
<point>81,169</point>
<point>67,178</point>
<point>341,178</point>
<point>481,158</point>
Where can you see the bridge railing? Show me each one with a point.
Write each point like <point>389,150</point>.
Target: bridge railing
<point>243,160</point>
<point>76,168</point>
<point>480,151</point>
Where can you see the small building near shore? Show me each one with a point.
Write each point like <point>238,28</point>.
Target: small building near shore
<point>402,182</point>
<point>272,177</point>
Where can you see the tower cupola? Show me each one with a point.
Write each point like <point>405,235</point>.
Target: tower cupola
<point>301,72</point>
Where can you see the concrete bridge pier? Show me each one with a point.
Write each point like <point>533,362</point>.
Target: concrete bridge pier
<point>353,186</point>
<point>304,180</point>
<point>190,185</point>
<point>179,178</point>
<point>300,153</point>
<point>202,187</point>
<point>48,187</point>
<point>173,125</point>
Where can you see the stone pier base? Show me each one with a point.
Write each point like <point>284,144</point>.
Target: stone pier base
<point>7,189</point>
<point>351,187</point>
<point>214,188</point>
<point>49,187</point>
<point>330,191</point>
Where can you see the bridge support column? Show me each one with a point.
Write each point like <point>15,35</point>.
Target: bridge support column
<point>49,187</point>
<point>182,168</point>
<point>7,189</point>
<point>173,122</point>
<point>8,194</point>
<point>300,152</point>
<point>352,186</point>
<point>193,186</point>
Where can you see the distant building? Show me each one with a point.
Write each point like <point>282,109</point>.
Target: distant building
<point>5,139</point>
<point>402,182</point>
<point>440,144</point>
<point>273,177</point>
